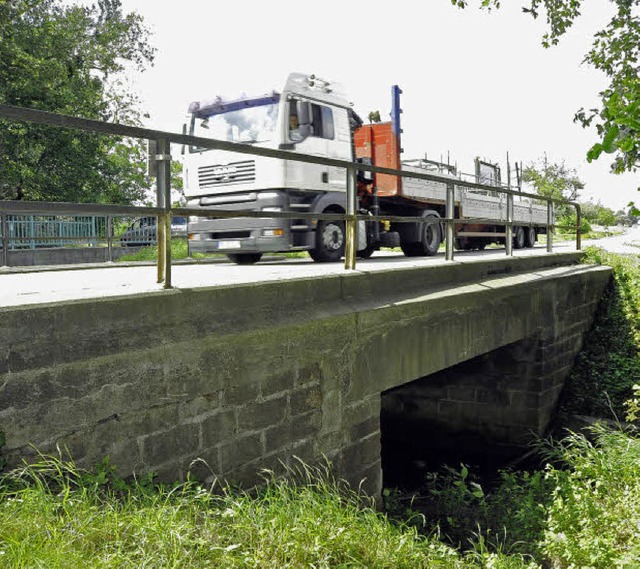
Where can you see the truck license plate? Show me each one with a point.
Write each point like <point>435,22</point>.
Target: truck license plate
<point>229,245</point>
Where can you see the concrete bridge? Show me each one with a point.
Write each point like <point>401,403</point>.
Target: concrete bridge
<point>246,377</point>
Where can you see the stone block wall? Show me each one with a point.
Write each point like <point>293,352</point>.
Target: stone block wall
<point>228,381</point>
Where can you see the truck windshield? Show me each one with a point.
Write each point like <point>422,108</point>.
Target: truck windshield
<point>250,122</point>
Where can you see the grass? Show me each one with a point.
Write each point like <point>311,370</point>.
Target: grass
<point>179,250</point>
<point>57,516</point>
<point>581,511</point>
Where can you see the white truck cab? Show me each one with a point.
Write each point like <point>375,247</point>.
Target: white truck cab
<point>310,116</point>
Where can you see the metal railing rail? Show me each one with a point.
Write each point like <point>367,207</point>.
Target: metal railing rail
<point>164,211</point>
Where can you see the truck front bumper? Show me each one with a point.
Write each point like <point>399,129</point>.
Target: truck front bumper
<point>244,234</point>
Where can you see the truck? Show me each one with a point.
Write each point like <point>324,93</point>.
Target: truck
<point>313,116</point>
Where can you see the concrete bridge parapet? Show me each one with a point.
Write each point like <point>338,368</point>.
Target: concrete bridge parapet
<point>249,377</point>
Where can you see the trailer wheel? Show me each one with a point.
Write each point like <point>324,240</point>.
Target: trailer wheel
<point>530,237</point>
<point>330,240</point>
<point>244,258</point>
<point>430,239</point>
<point>518,237</point>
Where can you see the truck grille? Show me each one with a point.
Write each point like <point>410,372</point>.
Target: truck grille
<point>227,174</point>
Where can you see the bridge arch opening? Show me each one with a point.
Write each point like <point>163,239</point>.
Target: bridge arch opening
<point>483,412</point>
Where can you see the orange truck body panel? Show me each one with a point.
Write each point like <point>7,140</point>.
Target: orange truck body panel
<point>378,143</point>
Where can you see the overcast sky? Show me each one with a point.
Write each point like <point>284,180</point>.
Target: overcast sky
<point>474,83</point>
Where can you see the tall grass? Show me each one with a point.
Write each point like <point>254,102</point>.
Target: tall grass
<point>56,516</point>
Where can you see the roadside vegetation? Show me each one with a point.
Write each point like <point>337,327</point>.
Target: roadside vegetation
<point>608,366</point>
<point>179,250</point>
<point>54,515</point>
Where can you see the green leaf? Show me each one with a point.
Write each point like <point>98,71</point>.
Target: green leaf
<point>594,152</point>
<point>608,142</point>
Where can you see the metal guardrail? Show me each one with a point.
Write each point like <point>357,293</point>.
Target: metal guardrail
<point>164,211</point>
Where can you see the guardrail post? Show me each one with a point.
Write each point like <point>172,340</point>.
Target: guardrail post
<point>110,238</point>
<point>549,227</point>
<point>351,222</point>
<point>5,239</point>
<point>508,239</point>
<point>450,213</point>
<point>163,233</point>
<point>578,227</point>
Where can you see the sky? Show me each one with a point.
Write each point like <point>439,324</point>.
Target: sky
<point>474,83</point>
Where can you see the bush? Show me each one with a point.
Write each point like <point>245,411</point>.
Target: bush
<point>567,224</point>
<point>594,516</point>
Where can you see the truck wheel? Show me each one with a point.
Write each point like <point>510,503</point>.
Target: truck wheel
<point>244,258</point>
<point>518,237</point>
<point>530,237</point>
<point>430,239</point>
<point>330,239</point>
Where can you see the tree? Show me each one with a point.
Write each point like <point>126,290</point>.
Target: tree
<point>70,60</point>
<point>557,181</point>
<point>597,214</point>
<point>615,51</point>
<point>553,180</point>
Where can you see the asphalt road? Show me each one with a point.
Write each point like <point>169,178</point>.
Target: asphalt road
<point>56,284</point>
<point>627,243</point>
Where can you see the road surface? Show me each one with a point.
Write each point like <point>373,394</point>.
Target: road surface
<point>627,243</point>
<point>25,286</point>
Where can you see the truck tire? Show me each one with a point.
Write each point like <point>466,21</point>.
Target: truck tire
<point>518,237</point>
<point>430,239</point>
<point>244,258</point>
<point>330,240</point>
<point>530,237</point>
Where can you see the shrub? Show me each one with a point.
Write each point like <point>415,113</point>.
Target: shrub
<point>594,516</point>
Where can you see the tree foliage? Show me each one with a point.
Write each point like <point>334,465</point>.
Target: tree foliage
<point>70,60</point>
<point>597,214</point>
<point>553,179</point>
<point>615,51</point>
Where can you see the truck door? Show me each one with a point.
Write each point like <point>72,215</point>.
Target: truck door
<point>319,142</point>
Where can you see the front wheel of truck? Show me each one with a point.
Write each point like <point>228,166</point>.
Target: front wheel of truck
<point>244,258</point>
<point>330,240</point>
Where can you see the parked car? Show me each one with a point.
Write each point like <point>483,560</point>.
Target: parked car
<point>143,231</point>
